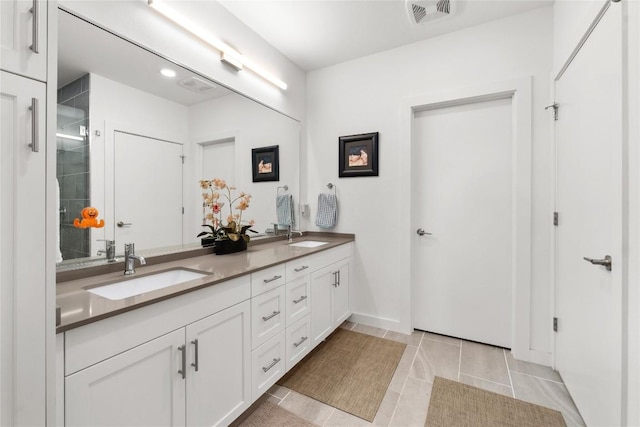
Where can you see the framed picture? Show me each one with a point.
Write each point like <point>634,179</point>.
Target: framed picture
<point>358,155</point>
<point>266,163</point>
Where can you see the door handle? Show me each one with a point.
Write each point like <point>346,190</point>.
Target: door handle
<point>421,232</point>
<point>182,349</point>
<point>124,224</point>
<point>606,262</point>
<point>195,364</point>
<point>34,28</point>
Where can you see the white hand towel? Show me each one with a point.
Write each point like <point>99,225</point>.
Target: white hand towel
<point>327,216</point>
<point>284,209</point>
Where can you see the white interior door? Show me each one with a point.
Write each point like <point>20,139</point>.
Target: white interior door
<point>139,207</point>
<point>463,191</point>
<point>589,144</point>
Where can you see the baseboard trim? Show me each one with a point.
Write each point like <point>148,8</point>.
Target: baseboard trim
<point>540,357</point>
<point>379,322</point>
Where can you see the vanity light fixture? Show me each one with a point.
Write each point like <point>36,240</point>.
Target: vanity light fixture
<point>168,72</point>
<point>228,54</point>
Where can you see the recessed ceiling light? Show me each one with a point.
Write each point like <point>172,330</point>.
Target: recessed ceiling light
<point>168,72</point>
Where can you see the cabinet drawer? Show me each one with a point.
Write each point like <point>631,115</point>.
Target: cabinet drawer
<point>267,316</point>
<point>298,268</point>
<point>330,256</point>
<point>268,364</point>
<point>298,297</point>
<point>298,340</point>
<point>265,280</point>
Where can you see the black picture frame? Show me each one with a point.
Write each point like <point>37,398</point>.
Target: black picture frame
<point>364,149</point>
<point>265,156</point>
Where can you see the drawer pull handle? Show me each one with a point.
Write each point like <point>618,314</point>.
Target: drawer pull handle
<point>298,270</point>
<point>299,300</point>
<point>183,349</point>
<point>271,365</point>
<point>272,279</point>
<point>271,316</point>
<point>299,343</point>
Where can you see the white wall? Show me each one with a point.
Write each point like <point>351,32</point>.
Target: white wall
<point>365,95</point>
<point>135,20</point>
<point>252,126</point>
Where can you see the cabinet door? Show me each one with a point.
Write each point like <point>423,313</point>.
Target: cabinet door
<point>219,372</point>
<point>22,251</point>
<point>21,23</point>
<point>140,387</point>
<point>322,282</point>
<point>340,294</point>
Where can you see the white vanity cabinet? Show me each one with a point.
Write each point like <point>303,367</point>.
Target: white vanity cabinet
<point>196,374</point>
<point>203,357</point>
<point>140,387</point>
<point>24,38</point>
<point>330,293</point>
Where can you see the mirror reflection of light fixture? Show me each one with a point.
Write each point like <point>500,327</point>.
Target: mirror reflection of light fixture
<point>228,54</point>
<point>168,72</point>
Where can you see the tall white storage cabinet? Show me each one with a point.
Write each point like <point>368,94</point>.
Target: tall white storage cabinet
<point>23,293</point>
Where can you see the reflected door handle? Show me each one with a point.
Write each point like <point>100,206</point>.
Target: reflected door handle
<point>606,262</point>
<point>421,232</point>
<point>124,224</point>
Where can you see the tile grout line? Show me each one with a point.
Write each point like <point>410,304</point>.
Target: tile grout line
<point>404,385</point>
<point>460,361</point>
<point>506,362</point>
<point>486,380</point>
<point>329,417</point>
<point>285,396</point>
<point>540,378</point>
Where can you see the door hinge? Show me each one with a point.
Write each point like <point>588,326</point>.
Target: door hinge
<point>183,210</point>
<point>555,324</point>
<point>556,218</point>
<point>183,157</point>
<point>555,107</point>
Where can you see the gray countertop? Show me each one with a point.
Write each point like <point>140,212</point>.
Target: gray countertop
<point>79,307</point>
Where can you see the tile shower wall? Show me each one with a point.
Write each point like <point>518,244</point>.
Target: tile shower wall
<point>73,166</point>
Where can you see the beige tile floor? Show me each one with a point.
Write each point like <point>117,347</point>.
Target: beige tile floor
<point>426,355</point>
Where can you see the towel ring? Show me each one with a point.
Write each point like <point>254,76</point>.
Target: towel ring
<point>331,186</point>
<point>284,187</point>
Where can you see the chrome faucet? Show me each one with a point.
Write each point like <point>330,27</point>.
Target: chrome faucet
<point>129,258</point>
<point>109,249</point>
<point>290,233</point>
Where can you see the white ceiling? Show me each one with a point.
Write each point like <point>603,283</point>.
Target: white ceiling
<point>318,33</point>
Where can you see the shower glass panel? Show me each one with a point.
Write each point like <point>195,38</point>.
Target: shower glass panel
<point>72,143</point>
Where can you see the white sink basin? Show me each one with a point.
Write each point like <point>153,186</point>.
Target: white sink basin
<point>308,244</point>
<point>139,285</point>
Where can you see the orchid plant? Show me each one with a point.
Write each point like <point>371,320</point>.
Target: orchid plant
<point>217,195</point>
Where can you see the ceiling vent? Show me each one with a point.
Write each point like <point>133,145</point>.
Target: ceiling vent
<point>423,11</point>
<point>197,85</point>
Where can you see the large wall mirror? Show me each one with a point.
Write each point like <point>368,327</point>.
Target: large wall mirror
<point>135,134</point>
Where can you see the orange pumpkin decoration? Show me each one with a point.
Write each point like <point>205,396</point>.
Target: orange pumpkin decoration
<point>89,219</point>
